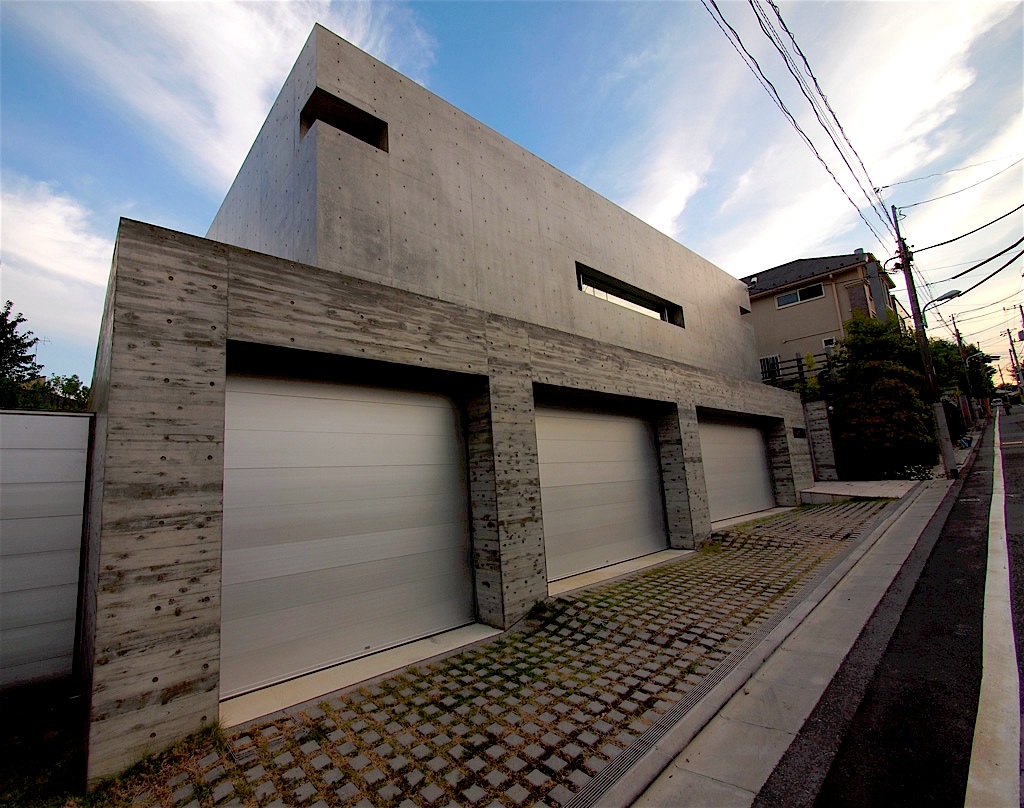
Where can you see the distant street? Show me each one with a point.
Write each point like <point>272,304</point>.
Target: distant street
<point>896,725</point>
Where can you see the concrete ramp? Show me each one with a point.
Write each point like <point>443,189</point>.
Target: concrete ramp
<point>867,489</point>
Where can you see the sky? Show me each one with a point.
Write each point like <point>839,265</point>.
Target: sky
<point>146,110</point>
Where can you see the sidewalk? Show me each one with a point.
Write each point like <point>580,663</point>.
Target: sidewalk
<point>730,761</point>
<point>560,712</point>
<point>731,758</point>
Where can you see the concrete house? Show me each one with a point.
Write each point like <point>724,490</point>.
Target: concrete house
<point>799,308</point>
<point>412,375</point>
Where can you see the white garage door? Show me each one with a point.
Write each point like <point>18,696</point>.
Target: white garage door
<point>735,468</point>
<point>600,489</point>
<point>345,526</point>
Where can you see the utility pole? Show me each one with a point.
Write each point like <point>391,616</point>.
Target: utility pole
<point>942,428</point>
<point>967,370</point>
<point>1014,361</point>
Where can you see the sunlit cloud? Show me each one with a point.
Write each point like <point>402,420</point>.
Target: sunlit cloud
<point>54,269</point>
<point>784,205</point>
<point>204,75</point>
<point>45,230</point>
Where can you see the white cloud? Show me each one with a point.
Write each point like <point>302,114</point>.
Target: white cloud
<point>203,75</point>
<point>665,191</point>
<point>896,111</point>
<point>44,230</point>
<point>54,268</point>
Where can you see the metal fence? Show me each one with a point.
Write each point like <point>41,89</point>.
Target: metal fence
<point>788,373</point>
<point>42,494</point>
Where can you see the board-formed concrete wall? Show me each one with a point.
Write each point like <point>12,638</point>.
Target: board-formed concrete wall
<point>179,307</point>
<point>819,434</point>
<point>453,210</point>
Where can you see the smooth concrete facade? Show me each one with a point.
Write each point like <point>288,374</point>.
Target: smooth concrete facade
<point>453,210</point>
<point>463,309</point>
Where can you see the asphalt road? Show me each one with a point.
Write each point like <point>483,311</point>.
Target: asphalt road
<point>895,726</point>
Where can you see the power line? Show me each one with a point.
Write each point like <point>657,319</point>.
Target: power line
<point>752,64</point>
<point>947,266</point>
<point>1004,266</point>
<point>981,316</point>
<point>989,305</point>
<point>942,173</point>
<point>954,193</point>
<point>833,123</point>
<point>987,260</point>
<point>977,334</point>
<point>971,233</point>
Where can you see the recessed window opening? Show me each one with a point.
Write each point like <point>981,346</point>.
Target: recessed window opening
<point>331,110</point>
<point>799,295</point>
<point>605,287</point>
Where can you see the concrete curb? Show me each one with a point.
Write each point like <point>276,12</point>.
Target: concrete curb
<point>994,776</point>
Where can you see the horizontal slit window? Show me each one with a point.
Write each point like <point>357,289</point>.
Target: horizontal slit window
<point>605,287</point>
<point>799,295</point>
<point>323,106</point>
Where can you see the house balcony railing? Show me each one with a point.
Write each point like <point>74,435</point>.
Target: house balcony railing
<point>788,373</point>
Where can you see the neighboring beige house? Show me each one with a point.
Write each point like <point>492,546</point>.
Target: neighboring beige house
<point>799,308</point>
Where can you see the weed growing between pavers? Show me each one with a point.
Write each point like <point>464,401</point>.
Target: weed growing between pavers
<point>529,717</point>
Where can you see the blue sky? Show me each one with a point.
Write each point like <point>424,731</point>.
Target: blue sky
<point>147,109</point>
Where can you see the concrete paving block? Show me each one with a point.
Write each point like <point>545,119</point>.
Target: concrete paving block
<point>222,790</point>
<point>495,777</point>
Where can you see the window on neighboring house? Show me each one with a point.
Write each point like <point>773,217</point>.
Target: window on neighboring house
<point>828,342</point>
<point>799,295</point>
<point>605,287</point>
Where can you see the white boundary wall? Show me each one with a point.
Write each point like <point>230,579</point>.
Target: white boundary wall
<point>42,492</point>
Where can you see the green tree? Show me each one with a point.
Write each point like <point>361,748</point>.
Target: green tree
<point>68,392</point>
<point>17,359</point>
<point>955,374</point>
<point>22,385</point>
<point>882,424</point>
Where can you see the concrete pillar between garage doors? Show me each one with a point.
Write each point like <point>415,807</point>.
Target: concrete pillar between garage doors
<point>780,461</point>
<point>504,481</point>
<point>679,519</point>
<point>699,528</point>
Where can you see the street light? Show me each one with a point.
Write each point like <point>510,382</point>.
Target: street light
<point>942,299</point>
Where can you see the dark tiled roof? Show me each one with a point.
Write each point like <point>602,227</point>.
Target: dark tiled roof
<point>803,269</point>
